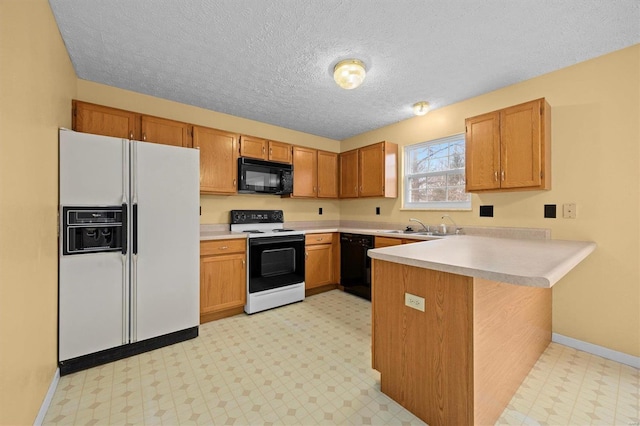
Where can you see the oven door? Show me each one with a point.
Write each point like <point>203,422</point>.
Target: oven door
<point>275,262</point>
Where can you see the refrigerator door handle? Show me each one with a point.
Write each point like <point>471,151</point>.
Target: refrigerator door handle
<point>134,298</point>
<point>124,229</point>
<point>125,334</point>
<point>134,230</point>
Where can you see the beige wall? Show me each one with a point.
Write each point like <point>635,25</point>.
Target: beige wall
<point>595,150</point>
<point>37,84</point>
<point>215,209</point>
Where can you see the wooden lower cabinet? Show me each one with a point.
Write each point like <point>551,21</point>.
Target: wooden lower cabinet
<point>392,241</point>
<point>460,360</point>
<point>223,279</point>
<point>322,260</point>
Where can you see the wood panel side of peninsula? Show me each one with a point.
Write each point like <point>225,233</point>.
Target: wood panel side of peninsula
<point>462,359</point>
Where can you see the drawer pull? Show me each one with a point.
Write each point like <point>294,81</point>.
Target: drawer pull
<point>319,239</point>
<point>223,247</point>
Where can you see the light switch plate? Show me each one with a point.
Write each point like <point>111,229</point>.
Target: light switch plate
<point>413,301</point>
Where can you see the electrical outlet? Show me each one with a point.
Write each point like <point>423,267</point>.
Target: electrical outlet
<point>319,210</point>
<point>413,301</point>
<point>377,210</point>
<point>569,211</point>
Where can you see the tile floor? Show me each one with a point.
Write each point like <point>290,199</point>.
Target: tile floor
<point>309,364</point>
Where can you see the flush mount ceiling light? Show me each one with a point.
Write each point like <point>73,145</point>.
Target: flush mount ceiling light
<point>421,108</point>
<point>349,73</point>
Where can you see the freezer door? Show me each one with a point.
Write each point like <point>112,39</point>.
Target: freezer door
<point>93,295</point>
<point>93,287</point>
<point>165,270</point>
<point>93,169</point>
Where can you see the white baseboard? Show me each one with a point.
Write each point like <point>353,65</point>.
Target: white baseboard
<point>47,399</point>
<point>607,353</point>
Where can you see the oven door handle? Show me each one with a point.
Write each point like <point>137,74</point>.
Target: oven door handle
<point>272,240</point>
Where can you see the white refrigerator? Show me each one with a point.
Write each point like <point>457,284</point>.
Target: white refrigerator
<point>129,248</point>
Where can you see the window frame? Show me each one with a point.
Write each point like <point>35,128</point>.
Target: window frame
<point>432,205</point>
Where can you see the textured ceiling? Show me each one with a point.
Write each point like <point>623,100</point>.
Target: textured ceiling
<point>272,61</point>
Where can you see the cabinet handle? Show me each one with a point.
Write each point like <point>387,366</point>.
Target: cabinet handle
<point>131,135</point>
<point>223,248</point>
<point>319,239</point>
<point>314,189</point>
<point>263,149</point>
<point>144,136</point>
<point>234,182</point>
<point>270,151</point>
<point>495,175</point>
<point>243,262</point>
<point>306,255</point>
<point>502,175</point>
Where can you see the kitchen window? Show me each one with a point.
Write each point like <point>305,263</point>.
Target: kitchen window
<point>434,175</point>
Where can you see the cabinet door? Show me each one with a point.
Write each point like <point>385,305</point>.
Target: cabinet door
<point>387,242</point>
<point>521,147</point>
<point>318,266</point>
<point>222,282</point>
<point>371,172</point>
<point>218,160</point>
<point>482,152</point>
<point>327,174</point>
<point>167,132</point>
<point>305,172</point>
<point>349,174</point>
<point>101,120</point>
<point>253,147</point>
<point>280,152</point>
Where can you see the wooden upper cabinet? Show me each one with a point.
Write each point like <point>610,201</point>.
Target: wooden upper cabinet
<point>305,172</point>
<point>218,160</point>
<point>349,174</point>
<point>101,120</point>
<point>509,149</point>
<point>253,147</point>
<point>482,163</point>
<point>280,152</point>
<point>164,131</point>
<point>327,174</point>
<point>263,149</point>
<point>370,171</point>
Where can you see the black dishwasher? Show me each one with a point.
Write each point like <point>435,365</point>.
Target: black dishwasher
<point>355,265</point>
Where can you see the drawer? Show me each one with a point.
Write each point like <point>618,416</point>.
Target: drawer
<point>213,247</point>
<point>311,239</point>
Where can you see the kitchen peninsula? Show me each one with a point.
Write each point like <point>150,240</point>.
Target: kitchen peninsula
<point>459,322</point>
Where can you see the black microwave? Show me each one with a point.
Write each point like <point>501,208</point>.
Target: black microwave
<point>264,177</point>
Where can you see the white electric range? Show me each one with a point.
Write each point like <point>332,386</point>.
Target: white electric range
<point>275,259</point>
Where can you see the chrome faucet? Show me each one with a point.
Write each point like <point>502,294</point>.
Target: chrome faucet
<point>426,228</point>
<point>452,221</point>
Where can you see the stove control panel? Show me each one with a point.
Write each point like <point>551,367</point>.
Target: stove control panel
<point>256,216</point>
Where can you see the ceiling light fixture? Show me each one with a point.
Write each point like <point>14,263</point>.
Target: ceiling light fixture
<point>349,73</point>
<point>421,108</point>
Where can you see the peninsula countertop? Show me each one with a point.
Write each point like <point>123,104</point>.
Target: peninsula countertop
<point>533,263</point>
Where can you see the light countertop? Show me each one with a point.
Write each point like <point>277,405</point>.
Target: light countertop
<point>534,263</point>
